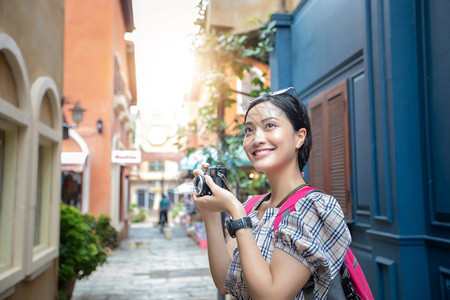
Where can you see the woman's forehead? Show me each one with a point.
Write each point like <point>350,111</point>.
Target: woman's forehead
<point>264,110</point>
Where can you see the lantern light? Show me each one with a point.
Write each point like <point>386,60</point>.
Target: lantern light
<point>77,113</point>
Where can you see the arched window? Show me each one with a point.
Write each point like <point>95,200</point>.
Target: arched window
<point>15,137</point>
<point>46,173</point>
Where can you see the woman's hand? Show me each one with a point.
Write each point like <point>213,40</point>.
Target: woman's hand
<point>221,199</point>
<point>218,253</point>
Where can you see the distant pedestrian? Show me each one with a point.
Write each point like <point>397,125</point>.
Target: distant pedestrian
<point>163,210</point>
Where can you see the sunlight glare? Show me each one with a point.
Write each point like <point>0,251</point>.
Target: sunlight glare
<point>164,61</point>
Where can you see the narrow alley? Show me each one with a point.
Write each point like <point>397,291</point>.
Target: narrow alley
<point>148,266</point>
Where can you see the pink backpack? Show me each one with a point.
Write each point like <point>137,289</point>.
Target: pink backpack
<point>353,281</point>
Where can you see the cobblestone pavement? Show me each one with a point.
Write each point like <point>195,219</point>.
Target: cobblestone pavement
<point>147,266</point>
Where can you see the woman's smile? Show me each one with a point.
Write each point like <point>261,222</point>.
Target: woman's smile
<point>262,152</point>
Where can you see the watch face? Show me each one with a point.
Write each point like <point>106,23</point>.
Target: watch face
<point>229,226</point>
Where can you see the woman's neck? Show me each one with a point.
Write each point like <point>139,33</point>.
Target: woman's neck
<point>282,183</point>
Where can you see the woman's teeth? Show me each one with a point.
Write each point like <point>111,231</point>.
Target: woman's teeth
<point>262,152</point>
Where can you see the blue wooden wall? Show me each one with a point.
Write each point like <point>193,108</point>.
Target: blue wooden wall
<point>395,56</point>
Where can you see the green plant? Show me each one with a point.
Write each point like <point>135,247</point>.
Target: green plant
<point>90,221</point>
<point>62,295</point>
<point>140,216</point>
<point>79,252</point>
<point>252,186</point>
<point>107,234</point>
<point>133,206</point>
<point>176,209</point>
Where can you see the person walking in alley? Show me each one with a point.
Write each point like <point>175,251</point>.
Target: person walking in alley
<point>163,210</point>
<point>260,261</point>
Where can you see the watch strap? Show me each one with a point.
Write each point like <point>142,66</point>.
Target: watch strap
<point>235,225</point>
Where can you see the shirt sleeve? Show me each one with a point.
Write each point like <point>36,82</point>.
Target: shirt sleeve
<point>316,234</point>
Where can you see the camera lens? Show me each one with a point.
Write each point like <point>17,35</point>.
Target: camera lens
<point>198,183</point>
<point>200,186</point>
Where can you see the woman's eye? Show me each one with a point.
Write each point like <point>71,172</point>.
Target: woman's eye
<point>270,125</point>
<point>248,130</point>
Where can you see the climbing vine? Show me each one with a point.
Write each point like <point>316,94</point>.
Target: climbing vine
<point>221,55</point>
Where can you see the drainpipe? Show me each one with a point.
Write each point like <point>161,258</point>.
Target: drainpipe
<point>283,6</point>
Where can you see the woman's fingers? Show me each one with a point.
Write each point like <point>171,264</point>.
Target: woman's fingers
<point>197,172</point>
<point>201,171</point>
<point>205,167</point>
<point>211,184</point>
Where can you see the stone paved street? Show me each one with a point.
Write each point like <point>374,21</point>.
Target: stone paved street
<point>147,266</point>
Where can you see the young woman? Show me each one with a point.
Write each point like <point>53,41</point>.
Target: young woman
<point>311,240</point>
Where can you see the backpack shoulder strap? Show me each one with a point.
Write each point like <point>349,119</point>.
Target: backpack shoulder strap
<point>289,205</point>
<point>251,203</point>
<point>356,282</point>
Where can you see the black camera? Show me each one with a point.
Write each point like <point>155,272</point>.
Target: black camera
<point>218,174</point>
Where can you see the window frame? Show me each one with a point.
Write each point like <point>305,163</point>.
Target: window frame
<point>8,191</point>
<point>19,116</point>
<point>40,258</point>
<point>156,166</point>
<point>43,193</point>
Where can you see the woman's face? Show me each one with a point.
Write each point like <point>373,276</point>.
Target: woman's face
<point>270,141</point>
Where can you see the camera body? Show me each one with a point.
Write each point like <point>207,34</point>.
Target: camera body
<point>218,175</point>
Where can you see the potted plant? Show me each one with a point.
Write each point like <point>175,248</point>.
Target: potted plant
<point>80,251</point>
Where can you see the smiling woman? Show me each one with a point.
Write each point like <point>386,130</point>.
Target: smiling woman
<point>308,244</point>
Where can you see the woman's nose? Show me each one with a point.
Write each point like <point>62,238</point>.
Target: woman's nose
<point>259,137</point>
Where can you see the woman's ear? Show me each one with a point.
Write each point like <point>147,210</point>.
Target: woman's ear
<point>300,136</point>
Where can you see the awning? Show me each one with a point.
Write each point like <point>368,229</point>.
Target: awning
<point>197,158</point>
<point>73,161</point>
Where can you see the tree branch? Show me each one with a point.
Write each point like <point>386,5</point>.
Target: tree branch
<point>242,93</point>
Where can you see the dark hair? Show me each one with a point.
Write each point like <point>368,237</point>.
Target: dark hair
<point>295,111</point>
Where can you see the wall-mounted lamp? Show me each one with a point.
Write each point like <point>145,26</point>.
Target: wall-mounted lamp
<point>77,113</point>
<point>100,126</point>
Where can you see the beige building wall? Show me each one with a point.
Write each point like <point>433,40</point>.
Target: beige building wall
<point>31,39</point>
<point>37,26</point>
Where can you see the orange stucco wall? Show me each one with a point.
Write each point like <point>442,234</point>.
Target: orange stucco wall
<point>94,33</point>
<point>119,47</point>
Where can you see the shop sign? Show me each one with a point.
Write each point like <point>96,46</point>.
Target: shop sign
<point>126,156</point>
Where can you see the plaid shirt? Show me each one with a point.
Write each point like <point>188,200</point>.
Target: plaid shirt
<point>315,234</point>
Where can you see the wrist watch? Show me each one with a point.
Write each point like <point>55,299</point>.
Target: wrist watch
<point>233,226</point>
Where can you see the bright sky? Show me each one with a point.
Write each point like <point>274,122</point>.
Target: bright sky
<point>164,62</point>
